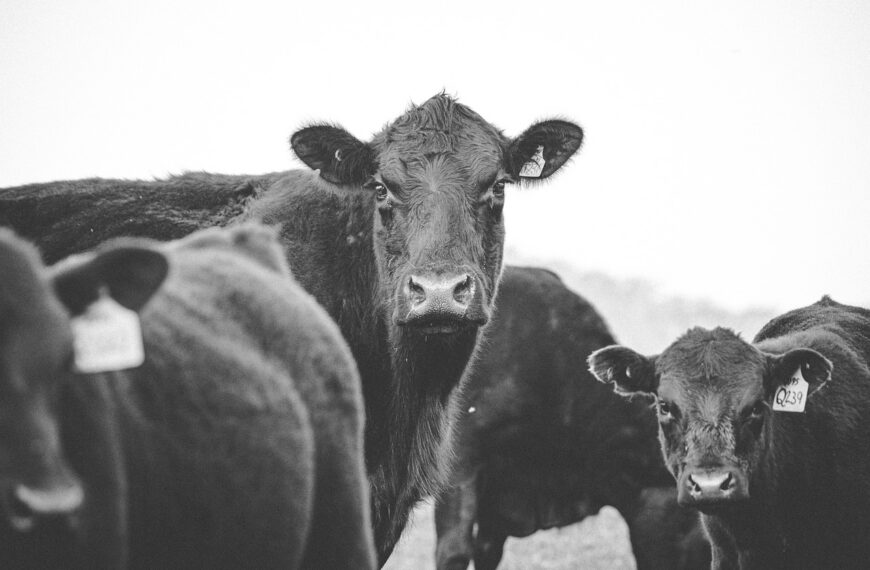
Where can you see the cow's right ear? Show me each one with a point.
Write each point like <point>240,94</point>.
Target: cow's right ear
<point>339,156</point>
<point>627,370</point>
<point>130,274</point>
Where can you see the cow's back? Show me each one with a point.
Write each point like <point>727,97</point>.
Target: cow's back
<point>567,442</point>
<point>67,217</point>
<point>238,443</point>
<point>817,474</point>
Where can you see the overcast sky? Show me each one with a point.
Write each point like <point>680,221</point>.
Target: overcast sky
<point>727,149</point>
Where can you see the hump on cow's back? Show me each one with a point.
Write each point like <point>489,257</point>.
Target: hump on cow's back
<point>252,240</point>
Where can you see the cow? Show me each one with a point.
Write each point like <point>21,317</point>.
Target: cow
<point>231,437</point>
<point>541,444</point>
<point>399,238</point>
<point>769,440</point>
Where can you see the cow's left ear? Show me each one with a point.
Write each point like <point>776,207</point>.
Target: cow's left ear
<point>629,371</point>
<point>543,149</point>
<point>339,156</point>
<point>129,273</point>
<point>814,368</point>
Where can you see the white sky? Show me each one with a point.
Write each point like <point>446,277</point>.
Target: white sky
<point>727,145</point>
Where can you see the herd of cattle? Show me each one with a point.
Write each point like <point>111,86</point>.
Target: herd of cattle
<point>272,371</point>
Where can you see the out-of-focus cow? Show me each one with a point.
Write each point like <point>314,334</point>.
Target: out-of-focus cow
<point>541,444</point>
<point>237,443</point>
<point>770,440</point>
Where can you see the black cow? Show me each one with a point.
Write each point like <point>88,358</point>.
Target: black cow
<point>776,489</point>
<point>238,442</point>
<point>541,444</point>
<point>399,238</point>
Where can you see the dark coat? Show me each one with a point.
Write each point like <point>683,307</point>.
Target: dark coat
<point>237,443</point>
<point>540,443</point>
<point>399,238</point>
<point>777,489</point>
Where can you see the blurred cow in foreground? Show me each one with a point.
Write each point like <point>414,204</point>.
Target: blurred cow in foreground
<point>541,444</point>
<point>400,238</point>
<point>769,440</point>
<point>237,443</point>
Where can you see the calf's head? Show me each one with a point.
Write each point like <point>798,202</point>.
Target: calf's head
<point>437,176</point>
<point>36,359</point>
<point>713,395</point>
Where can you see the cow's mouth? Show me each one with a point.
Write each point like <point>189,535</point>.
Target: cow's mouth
<point>440,326</point>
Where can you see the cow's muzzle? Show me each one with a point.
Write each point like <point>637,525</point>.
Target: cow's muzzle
<point>441,304</point>
<point>709,488</point>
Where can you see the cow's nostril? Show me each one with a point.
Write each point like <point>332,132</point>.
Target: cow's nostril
<point>416,291</point>
<point>463,290</point>
<point>727,483</point>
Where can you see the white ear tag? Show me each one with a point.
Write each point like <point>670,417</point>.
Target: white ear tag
<point>791,397</point>
<point>534,167</point>
<point>107,337</point>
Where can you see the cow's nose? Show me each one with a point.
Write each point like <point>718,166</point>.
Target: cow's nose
<point>711,485</point>
<point>445,295</point>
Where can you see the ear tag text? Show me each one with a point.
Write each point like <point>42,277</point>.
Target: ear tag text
<point>535,165</point>
<point>791,396</point>
<point>107,337</point>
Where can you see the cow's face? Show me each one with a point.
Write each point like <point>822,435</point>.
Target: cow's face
<point>437,176</point>
<point>713,395</point>
<point>36,359</point>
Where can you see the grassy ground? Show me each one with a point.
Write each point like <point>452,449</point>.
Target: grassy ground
<point>599,542</point>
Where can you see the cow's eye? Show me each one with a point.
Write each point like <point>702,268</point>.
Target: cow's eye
<point>498,188</point>
<point>381,191</point>
<point>665,410</point>
<point>757,410</point>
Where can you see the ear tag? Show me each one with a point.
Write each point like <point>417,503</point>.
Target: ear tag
<point>534,167</point>
<point>107,337</point>
<point>792,396</point>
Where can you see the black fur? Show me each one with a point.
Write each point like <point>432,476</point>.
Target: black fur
<point>541,444</point>
<point>238,442</point>
<point>353,253</point>
<point>807,489</point>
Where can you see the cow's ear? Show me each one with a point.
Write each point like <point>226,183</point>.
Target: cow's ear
<point>339,156</point>
<point>813,367</point>
<point>130,274</point>
<point>629,371</point>
<point>543,149</point>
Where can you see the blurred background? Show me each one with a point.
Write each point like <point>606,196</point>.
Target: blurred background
<point>725,175</point>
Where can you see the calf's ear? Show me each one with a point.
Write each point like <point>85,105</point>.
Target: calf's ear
<point>813,366</point>
<point>629,371</point>
<point>339,156</point>
<point>543,149</point>
<point>130,274</point>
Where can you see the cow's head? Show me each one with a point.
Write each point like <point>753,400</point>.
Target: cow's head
<point>713,394</point>
<point>36,358</point>
<point>437,176</point>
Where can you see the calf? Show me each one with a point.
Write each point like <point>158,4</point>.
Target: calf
<point>236,443</point>
<point>400,238</point>
<point>541,444</point>
<point>769,440</point>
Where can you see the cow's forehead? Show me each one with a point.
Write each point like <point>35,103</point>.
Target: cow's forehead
<point>703,363</point>
<point>440,126</point>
